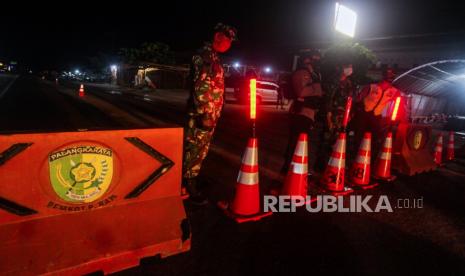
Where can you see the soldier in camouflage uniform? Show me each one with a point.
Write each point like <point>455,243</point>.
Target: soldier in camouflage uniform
<point>205,105</point>
<point>337,92</point>
<point>337,89</point>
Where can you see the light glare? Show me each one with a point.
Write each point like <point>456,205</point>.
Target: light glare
<point>345,20</point>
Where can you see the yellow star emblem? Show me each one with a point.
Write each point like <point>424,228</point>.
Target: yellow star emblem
<point>82,172</point>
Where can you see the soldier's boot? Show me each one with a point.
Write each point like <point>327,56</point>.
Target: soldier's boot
<point>195,196</point>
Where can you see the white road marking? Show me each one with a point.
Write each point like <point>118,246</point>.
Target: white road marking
<point>8,87</point>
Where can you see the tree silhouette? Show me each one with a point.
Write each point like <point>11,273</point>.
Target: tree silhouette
<point>155,52</point>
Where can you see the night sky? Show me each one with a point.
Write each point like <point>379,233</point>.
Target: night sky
<point>42,36</point>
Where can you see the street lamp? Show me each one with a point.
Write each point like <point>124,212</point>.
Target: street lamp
<point>345,20</point>
<point>236,65</point>
<point>268,69</point>
<point>114,74</point>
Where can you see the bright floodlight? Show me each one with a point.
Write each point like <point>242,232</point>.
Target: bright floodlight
<point>267,69</point>
<point>345,20</point>
<point>113,67</point>
<point>236,64</point>
<point>76,71</point>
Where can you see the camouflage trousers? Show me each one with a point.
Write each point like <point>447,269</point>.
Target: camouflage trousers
<point>196,147</point>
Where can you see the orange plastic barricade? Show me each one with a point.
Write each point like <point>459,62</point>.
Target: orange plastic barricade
<point>412,149</point>
<point>81,202</point>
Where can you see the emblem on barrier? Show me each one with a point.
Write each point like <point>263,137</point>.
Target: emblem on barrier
<point>81,174</point>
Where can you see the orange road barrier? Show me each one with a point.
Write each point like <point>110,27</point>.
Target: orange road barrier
<point>333,177</point>
<point>246,203</point>
<point>438,150</point>
<point>383,162</point>
<point>361,168</point>
<point>295,183</point>
<point>412,149</point>
<point>450,147</point>
<point>81,91</point>
<point>81,202</point>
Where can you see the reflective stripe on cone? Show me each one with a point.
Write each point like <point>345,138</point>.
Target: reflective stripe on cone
<point>438,151</point>
<point>247,195</point>
<point>333,177</point>
<point>295,183</point>
<point>383,163</point>
<point>360,171</point>
<point>450,147</point>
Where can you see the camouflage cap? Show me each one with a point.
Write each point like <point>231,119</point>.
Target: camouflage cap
<point>229,31</point>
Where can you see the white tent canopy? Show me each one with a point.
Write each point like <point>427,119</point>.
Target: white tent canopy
<point>435,87</point>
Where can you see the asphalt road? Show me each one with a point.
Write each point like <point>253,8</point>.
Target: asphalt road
<point>428,240</point>
<point>31,105</point>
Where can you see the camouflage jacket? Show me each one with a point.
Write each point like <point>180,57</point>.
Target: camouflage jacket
<point>207,87</point>
<point>336,94</point>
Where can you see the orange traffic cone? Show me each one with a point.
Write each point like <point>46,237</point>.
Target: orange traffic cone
<point>333,177</point>
<point>246,203</point>
<point>438,151</point>
<point>81,91</point>
<point>383,162</point>
<point>361,168</point>
<point>296,179</point>
<point>450,147</point>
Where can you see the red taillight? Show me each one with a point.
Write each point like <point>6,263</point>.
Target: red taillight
<point>253,99</point>
<point>396,109</point>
